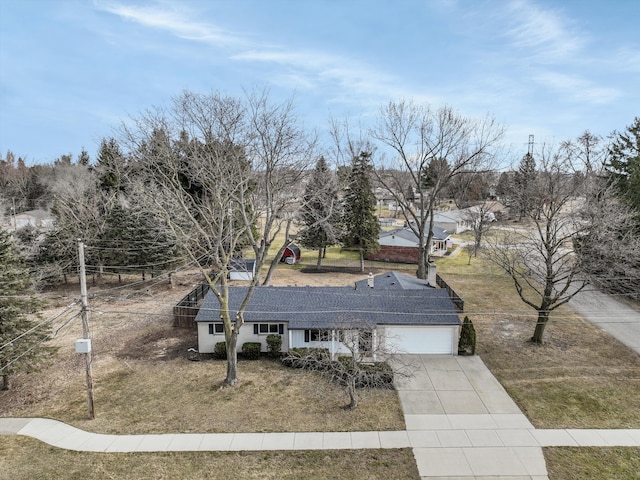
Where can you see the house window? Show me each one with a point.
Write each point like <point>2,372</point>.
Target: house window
<point>268,328</point>
<point>320,336</point>
<point>216,328</point>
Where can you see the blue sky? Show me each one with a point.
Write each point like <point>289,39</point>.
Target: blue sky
<point>71,70</point>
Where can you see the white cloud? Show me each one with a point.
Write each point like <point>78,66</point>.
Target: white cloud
<point>315,70</point>
<point>627,60</point>
<point>168,18</point>
<point>544,33</point>
<point>578,89</point>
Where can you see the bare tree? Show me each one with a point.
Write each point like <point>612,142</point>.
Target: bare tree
<point>354,355</point>
<point>283,155</point>
<point>481,218</point>
<point>222,173</point>
<point>431,147</point>
<point>541,260</point>
<point>609,249</point>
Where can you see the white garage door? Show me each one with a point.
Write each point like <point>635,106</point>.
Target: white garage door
<point>434,340</point>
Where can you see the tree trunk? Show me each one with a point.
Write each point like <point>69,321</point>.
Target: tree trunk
<point>362,260</point>
<point>423,260</point>
<point>274,263</point>
<point>232,359</point>
<point>543,318</point>
<point>353,398</point>
<point>5,382</point>
<point>319,263</point>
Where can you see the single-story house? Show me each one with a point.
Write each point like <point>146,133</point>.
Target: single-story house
<point>406,313</point>
<point>241,269</point>
<point>401,245</point>
<point>291,255</point>
<point>453,221</point>
<point>34,218</point>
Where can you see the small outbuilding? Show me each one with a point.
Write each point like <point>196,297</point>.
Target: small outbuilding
<point>241,269</point>
<point>291,255</point>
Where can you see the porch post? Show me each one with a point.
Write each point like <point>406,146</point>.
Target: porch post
<point>333,344</point>
<point>374,343</point>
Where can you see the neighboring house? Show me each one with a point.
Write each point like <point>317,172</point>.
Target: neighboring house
<point>240,269</point>
<point>453,221</point>
<point>457,221</point>
<point>407,314</point>
<point>402,245</point>
<point>291,255</point>
<point>34,218</point>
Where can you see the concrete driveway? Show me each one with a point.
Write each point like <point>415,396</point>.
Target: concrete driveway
<point>620,319</point>
<point>462,424</point>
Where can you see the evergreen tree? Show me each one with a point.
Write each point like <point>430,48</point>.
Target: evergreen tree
<point>111,166</point>
<point>624,163</point>
<point>360,223</point>
<point>20,334</point>
<point>135,241</point>
<point>320,213</point>
<point>524,182</point>
<point>467,341</point>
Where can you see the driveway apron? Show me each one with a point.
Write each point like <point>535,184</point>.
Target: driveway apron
<point>461,423</point>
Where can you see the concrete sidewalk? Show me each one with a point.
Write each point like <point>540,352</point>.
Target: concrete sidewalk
<point>460,423</point>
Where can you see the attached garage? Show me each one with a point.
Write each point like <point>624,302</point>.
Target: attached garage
<point>422,339</point>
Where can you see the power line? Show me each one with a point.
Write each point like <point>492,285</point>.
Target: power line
<point>26,332</point>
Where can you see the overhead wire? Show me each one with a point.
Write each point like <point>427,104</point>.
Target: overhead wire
<point>39,325</point>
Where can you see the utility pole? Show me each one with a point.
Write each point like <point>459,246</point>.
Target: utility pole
<point>85,330</point>
<point>13,211</point>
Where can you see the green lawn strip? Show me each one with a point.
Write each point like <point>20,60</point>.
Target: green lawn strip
<point>590,463</point>
<point>24,458</point>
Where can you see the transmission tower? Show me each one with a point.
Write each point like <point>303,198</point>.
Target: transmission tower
<point>530,150</point>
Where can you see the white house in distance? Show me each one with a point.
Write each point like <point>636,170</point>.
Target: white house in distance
<point>398,308</point>
<point>34,218</point>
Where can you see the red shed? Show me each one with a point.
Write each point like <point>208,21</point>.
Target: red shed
<point>291,255</point>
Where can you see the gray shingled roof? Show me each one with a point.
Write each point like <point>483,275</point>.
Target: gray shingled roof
<point>395,281</point>
<point>326,307</point>
<point>408,234</point>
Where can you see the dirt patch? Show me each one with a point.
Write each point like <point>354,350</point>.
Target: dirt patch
<point>323,277</point>
<point>158,344</point>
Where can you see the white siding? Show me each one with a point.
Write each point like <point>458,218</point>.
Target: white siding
<point>297,341</point>
<point>207,341</point>
<point>247,276</point>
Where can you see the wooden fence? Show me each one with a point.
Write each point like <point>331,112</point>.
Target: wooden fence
<point>455,298</point>
<point>186,309</point>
